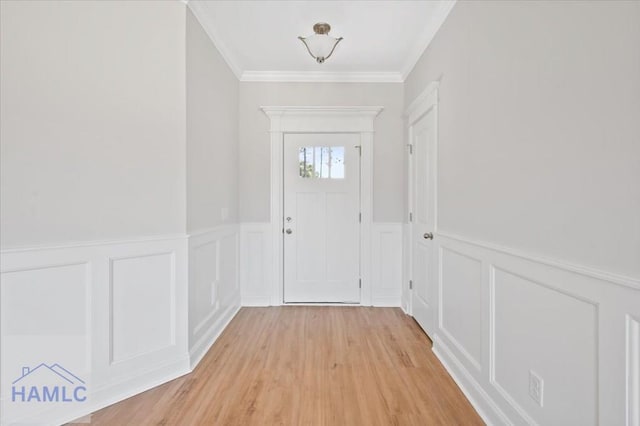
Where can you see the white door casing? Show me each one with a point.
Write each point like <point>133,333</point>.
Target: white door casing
<point>423,258</point>
<point>322,226</point>
<point>313,119</point>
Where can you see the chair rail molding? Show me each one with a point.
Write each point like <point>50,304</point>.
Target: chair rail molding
<point>321,119</point>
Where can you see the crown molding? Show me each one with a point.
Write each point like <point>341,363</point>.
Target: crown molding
<point>321,76</point>
<point>328,119</point>
<point>197,8</point>
<point>431,29</point>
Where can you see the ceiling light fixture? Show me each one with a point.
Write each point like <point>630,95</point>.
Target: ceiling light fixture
<point>320,45</point>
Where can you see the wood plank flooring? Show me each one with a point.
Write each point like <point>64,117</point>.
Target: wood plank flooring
<point>307,366</point>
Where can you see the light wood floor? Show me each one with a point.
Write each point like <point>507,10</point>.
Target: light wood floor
<point>307,366</point>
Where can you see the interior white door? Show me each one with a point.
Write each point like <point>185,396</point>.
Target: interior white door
<point>423,207</point>
<point>321,218</point>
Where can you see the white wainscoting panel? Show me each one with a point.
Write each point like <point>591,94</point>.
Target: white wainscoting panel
<point>137,326</point>
<point>559,326</point>
<point>386,274</point>
<point>48,282</point>
<point>633,371</point>
<point>575,328</point>
<point>406,256</point>
<point>112,313</point>
<point>214,291</point>
<point>460,313</point>
<point>256,264</point>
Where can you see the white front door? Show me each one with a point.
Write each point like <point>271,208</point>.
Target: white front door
<point>321,218</point>
<point>423,182</point>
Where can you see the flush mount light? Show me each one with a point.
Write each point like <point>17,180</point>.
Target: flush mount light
<point>320,45</point>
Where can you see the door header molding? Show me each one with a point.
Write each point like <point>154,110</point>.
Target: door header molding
<point>322,119</point>
<point>423,102</point>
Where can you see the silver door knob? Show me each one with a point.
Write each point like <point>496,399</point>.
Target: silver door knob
<point>288,231</point>
<point>428,236</point>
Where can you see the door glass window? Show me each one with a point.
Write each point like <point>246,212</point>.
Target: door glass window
<point>322,162</point>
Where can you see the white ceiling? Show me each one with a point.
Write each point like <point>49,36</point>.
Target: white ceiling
<point>382,39</point>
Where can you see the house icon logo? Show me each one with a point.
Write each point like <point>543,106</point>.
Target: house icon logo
<point>48,383</point>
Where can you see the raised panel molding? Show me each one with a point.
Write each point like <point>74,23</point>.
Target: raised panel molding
<point>487,407</point>
<point>386,274</point>
<point>559,326</point>
<point>214,294</point>
<point>460,320</point>
<point>256,264</point>
<point>142,305</point>
<point>573,326</point>
<point>204,275</point>
<point>45,311</point>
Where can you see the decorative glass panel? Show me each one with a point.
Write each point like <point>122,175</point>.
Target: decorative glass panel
<point>322,162</point>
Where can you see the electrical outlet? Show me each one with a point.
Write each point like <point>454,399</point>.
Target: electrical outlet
<point>536,387</point>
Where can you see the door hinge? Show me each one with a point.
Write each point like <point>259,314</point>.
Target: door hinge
<point>410,284</point>
<point>360,217</point>
<point>360,283</point>
<point>410,217</point>
<point>410,148</point>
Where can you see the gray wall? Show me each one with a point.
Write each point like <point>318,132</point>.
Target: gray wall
<point>93,120</point>
<point>388,198</point>
<point>212,133</point>
<point>540,127</point>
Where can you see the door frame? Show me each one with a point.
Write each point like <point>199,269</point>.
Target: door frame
<point>320,119</point>
<point>425,102</point>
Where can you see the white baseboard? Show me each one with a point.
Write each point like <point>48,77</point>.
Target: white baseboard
<point>481,402</point>
<point>256,264</point>
<point>112,394</point>
<point>200,348</point>
<point>214,286</point>
<point>386,302</point>
<point>117,392</point>
<point>405,310</point>
<point>256,301</point>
